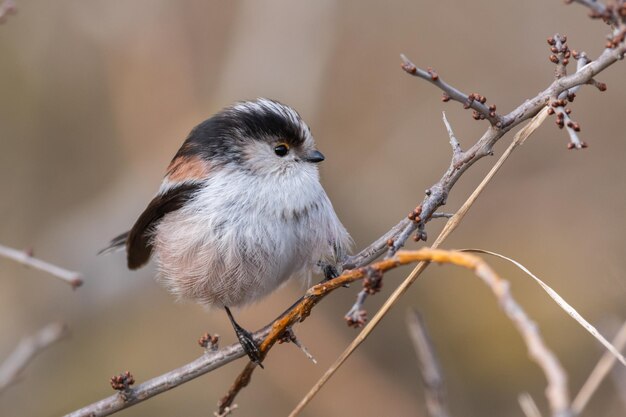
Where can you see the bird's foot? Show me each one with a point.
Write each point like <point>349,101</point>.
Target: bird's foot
<point>246,340</point>
<point>249,345</point>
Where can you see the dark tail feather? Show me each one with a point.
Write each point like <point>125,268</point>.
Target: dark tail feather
<point>118,243</point>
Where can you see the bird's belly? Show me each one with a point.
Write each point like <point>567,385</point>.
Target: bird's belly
<point>225,261</point>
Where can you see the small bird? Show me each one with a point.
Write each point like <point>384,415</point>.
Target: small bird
<point>239,212</point>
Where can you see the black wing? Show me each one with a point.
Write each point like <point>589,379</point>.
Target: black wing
<point>138,239</point>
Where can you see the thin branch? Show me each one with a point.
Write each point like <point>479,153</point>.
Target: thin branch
<point>556,392</point>
<point>429,365</point>
<point>357,316</point>
<point>71,277</point>
<point>601,370</point>
<point>456,146</point>
<point>437,194</point>
<point>472,101</point>
<point>598,10</point>
<point>206,363</point>
<point>25,352</point>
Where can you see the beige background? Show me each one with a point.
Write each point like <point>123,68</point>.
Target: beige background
<point>97,96</point>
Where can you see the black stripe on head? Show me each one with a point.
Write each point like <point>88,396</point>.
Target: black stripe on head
<point>220,139</point>
<point>269,120</point>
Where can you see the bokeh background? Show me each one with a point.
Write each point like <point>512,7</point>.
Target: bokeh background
<point>96,97</point>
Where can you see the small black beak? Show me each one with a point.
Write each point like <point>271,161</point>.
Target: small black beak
<point>315,157</point>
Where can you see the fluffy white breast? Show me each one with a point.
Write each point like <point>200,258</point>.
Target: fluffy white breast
<point>244,234</point>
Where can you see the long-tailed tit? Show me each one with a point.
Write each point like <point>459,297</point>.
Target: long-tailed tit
<point>239,212</point>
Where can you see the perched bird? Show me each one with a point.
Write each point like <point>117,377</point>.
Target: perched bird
<point>239,212</point>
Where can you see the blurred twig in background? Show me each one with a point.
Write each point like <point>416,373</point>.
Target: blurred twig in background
<point>26,350</point>
<point>432,377</point>
<point>71,277</point>
<point>599,373</point>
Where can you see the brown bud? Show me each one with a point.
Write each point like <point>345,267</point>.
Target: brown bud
<point>123,381</point>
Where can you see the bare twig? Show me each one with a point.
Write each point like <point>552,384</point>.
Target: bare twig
<point>599,373</point>
<point>437,194</point>
<point>556,392</point>
<point>206,363</point>
<point>25,352</point>
<point>71,277</point>
<point>457,152</point>
<point>290,337</point>
<point>429,365</point>
<point>472,101</point>
<point>598,10</point>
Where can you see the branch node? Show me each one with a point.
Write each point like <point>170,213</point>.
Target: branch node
<point>373,281</point>
<point>122,383</point>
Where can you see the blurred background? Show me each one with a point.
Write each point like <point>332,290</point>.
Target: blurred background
<point>96,97</point>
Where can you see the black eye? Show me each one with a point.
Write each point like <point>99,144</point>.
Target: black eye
<point>281,150</point>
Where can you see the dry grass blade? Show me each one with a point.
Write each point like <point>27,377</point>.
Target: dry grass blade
<point>528,405</point>
<point>561,302</point>
<point>599,373</point>
<point>28,348</point>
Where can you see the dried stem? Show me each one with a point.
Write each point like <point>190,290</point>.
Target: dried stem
<point>528,405</point>
<point>71,277</point>
<point>601,370</point>
<point>25,352</point>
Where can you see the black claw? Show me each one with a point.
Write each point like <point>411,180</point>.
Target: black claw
<point>330,272</point>
<point>246,340</point>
